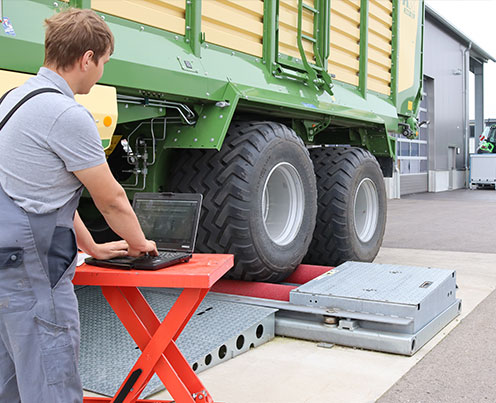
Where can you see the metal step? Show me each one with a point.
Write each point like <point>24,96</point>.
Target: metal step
<point>217,332</point>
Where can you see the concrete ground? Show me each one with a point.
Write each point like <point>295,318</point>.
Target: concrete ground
<point>460,369</point>
<point>453,230</point>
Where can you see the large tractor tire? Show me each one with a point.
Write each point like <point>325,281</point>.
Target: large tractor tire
<point>351,216</point>
<point>259,198</point>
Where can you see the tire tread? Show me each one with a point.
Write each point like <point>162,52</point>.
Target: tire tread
<point>223,179</point>
<point>334,168</point>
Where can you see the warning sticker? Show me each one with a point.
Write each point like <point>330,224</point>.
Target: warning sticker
<point>7,26</point>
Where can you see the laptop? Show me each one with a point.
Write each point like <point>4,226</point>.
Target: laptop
<point>169,219</point>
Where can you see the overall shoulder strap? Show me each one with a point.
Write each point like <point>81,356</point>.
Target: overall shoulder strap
<point>23,100</point>
<point>7,93</point>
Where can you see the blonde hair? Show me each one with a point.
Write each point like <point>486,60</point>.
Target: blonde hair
<point>71,33</point>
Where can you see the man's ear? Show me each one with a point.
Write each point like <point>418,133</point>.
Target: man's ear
<point>86,59</point>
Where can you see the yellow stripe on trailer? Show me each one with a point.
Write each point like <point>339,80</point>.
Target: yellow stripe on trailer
<point>380,37</point>
<point>288,30</point>
<point>101,102</point>
<point>168,15</point>
<point>409,25</point>
<point>344,41</point>
<point>235,25</point>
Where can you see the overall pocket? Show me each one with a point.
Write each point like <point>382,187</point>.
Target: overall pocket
<point>57,352</point>
<point>62,252</point>
<point>20,301</point>
<point>16,294</point>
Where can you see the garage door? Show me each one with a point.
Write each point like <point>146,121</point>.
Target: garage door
<point>413,158</point>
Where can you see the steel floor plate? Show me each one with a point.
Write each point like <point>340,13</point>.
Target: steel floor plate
<point>217,331</point>
<point>395,284</point>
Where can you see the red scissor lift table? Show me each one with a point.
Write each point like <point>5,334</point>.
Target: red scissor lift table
<point>156,340</point>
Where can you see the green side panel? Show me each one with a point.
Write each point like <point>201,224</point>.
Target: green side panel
<point>160,66</point>
<point>211,126</point>
<point>24,52</point>
<point>80,3</point>
<point>133,113</point>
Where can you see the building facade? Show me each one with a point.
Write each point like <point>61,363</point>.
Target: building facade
<point>438,159</point>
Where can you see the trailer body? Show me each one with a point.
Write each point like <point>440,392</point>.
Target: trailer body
<point>335,72</point>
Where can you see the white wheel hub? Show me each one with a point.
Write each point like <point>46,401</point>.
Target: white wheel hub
<point>283,203</point>
<point>366,210</point>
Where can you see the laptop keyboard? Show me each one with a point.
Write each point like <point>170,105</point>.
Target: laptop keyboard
<point>162,256</point>
<point>171,254</point>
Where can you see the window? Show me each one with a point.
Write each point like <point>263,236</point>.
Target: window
<point>412,155</point>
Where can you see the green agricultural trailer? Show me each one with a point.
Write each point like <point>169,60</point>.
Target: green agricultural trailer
<point>282,113</point>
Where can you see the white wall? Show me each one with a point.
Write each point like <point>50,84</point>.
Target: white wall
<point>439,181</point>
<point>393,186</point>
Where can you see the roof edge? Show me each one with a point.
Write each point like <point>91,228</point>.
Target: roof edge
<point>441,20</point>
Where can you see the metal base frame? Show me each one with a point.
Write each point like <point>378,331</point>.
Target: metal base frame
<point>306,323</point>
<point>291,324</point>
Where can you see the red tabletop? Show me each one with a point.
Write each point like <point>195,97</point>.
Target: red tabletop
<point>202,271</point>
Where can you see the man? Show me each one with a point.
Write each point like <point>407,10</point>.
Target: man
<point>48,148</point>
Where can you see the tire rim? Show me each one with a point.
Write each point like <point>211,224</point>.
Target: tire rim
<point>366,210</point>
<point>283,203</point>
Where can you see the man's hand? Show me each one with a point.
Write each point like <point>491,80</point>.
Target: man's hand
<point>110,250</point>
<point>149,248</point>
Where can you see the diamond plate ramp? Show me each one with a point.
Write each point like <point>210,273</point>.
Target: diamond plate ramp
<point>218,331</point>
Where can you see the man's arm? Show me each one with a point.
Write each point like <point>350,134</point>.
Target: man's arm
<point>111,200</point>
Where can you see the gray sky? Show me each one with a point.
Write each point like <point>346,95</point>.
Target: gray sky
<point>476,19</point>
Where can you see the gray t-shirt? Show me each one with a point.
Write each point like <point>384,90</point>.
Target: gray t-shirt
<point>44,142</point>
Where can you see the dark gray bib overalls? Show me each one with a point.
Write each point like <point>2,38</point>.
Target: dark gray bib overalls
<point>39,320</point>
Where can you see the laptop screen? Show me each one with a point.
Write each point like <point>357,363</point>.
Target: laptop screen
<point>170,223</point>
